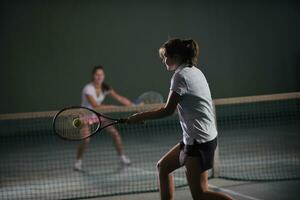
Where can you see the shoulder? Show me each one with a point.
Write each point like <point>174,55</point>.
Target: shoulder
<point>177,77</point>
<point>182,74</point>
<point>88,88</point>
<point>191,72</point>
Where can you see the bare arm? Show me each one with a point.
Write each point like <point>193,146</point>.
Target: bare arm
<point>167,110</point>
<point>93,102</point>
<point>121,99</point>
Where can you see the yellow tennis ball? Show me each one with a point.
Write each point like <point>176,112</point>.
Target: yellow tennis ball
<point>76,123</point>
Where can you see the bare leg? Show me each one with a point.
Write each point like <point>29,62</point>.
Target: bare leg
<point>114,133</point>
<point>198,181</point>
<point>165,166</point>
<point>81,148</point>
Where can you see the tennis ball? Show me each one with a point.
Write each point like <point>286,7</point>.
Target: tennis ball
<point>76,123</point>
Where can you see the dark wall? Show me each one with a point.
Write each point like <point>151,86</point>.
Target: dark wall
<point>48,48</point>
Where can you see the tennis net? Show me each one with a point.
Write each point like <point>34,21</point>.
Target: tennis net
<point>259,139</point>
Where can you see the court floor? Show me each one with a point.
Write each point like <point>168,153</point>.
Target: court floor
<point>40,166</point>
<point>238,190</point>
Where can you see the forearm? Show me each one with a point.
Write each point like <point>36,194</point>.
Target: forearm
<point>104,106</point>
<point>155,114</point>
<point>167,110</point>
<point>125,101</point>
<point>121,99</point>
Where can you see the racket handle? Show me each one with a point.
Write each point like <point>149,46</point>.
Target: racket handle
<point>122,121</point>
<point>136,102</point>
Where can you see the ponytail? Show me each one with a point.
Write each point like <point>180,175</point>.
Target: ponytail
<point>192,51</point>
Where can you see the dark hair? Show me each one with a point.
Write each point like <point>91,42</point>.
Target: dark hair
<point>187,51</point>
<point>105,87</point>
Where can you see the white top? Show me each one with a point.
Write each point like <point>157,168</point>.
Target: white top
<point>90,89</point>
<point>195,109</point>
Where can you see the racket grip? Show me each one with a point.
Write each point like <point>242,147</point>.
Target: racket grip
<point>123,120</point>
<point>136,102</point>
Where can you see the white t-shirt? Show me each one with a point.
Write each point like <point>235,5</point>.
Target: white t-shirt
<point>195,109</point>
<point>90,89</point>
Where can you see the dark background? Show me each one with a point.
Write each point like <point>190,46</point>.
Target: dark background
<point>48,48</point>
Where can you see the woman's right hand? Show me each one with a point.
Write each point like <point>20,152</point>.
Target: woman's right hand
<point>134,119</point>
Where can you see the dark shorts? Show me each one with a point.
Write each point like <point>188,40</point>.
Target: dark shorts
<point>205,151</point>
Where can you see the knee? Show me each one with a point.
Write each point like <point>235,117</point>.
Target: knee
<point>113,132</point>
<point>160,168</point>
<point>86,140</point>
<point>115,135</point>
<point>200,193</point>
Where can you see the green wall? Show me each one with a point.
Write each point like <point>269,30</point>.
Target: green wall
<point>48,48</point>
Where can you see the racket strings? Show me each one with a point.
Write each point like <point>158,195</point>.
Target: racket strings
<point>76,123</point>
<point>151,97</point>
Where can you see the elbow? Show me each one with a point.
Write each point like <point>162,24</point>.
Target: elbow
<point>95,106</point>
<point>168,112</point>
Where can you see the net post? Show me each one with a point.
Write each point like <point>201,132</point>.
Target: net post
<point>216,164</point>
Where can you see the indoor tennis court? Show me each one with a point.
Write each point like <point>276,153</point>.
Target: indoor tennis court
<point>253,148</point>
<point>249,54</point>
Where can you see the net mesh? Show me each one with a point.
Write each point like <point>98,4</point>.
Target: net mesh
<point>259,139</point>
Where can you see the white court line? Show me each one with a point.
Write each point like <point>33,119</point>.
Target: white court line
<point>209,185</point>
<point>232,192</point>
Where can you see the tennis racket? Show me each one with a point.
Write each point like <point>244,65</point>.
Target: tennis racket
<point>150,97</point>
<point>77,123</point>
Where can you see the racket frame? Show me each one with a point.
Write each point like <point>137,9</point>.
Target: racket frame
<point>99,115</point>
<point>154,93</point>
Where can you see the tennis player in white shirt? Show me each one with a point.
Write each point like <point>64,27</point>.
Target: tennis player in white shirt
<point>190,95</point>
<point>93,94</point>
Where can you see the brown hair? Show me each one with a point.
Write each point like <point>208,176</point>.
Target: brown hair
<point>105,87</point>
<point>187,51</point>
